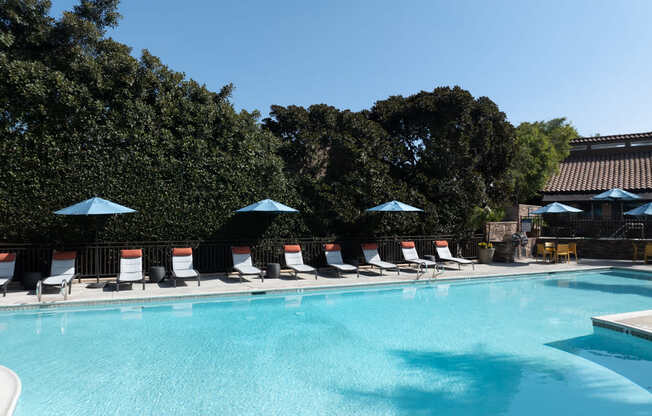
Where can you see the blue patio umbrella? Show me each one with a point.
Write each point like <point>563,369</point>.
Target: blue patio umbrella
<point>555,208</point>
<point>616,194</point>
<point>394,206</point>
<point>267,205</point>
<point>95,206</point>
<point>645,209</point>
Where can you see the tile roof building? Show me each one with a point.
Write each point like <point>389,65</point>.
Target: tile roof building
<point>597,164</point>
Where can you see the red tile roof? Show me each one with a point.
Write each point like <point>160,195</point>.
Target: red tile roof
<point>612,138</point>
<point>589,172</point>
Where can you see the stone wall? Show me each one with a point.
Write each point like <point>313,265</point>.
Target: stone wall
<point>515,212</point>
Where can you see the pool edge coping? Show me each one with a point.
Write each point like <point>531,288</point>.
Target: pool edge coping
<point>614,322</point>
<point>286,290</point>
<point>9,376</point>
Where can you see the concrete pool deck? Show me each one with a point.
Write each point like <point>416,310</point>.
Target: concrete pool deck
<point>220,284</point>
<point>638,324</point>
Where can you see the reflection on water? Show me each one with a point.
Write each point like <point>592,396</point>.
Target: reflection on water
<point>131,312</point>
<point>182,309</point>
<point>409,292</point>
<point>441,291</point>
<point>293,301</point>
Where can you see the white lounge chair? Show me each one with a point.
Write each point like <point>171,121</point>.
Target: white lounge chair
<point>7,268</point>
<point>131,268</point>
<point>182,267</point>
<point>294,260</point>
<point>372,258</point>
<point>411,256</point>
<point>333,253</point>
<point>242,263</point>
<point>445,254</point>
<point>62,272</point>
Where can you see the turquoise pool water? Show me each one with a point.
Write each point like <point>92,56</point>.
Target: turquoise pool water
<point>494,347</point>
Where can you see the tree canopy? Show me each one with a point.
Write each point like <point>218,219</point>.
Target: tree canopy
<point>80,116</point>
<point>541,146</point>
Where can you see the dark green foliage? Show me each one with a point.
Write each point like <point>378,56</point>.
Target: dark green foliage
<point>80,117</point>
<point>339,162</point>
<point>451,148</point>
<point>541,146</point>
<point>444,151</point>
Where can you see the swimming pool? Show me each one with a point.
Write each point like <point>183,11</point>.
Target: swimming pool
<point>521,346</point>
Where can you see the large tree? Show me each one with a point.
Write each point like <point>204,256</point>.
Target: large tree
<point>340,163</point>
<point>450,147</point>
<point>540,147</point>
<point>79,116</point>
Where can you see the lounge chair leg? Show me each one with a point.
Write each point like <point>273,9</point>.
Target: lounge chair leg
<point>117,286</point>
<point>315,274</point>
<point>175,282</point>
<point>198,281</point>
<point>143,284</point>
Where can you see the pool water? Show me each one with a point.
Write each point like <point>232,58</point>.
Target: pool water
<point>522,346</point>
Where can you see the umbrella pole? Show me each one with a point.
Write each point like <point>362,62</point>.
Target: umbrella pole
<point>97,254</point>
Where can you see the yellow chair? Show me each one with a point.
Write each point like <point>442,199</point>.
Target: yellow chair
<point>648,252</point>
<point>550,250</point>
<point>562,251</point>
<point>572,249</point>
<point>541,251</point>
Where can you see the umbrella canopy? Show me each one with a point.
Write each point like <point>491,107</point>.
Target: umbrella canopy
<point>95,206</point>
<point>555,208</point>
<point>616,194</point>
<point>267,205</point>
<point>395,206</point>
<point>645,209</point>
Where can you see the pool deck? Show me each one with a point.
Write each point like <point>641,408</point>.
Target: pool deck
<point>638,324</point>
<point>10,391</point>
<point>222,285</point>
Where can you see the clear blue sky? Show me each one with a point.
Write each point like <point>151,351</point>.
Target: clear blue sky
<point>587,60</point>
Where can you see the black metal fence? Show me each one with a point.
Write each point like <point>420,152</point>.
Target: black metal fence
<point>102,259</point>
<point>562,225</point>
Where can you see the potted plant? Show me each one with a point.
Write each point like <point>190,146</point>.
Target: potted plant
<point>486,252</point>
